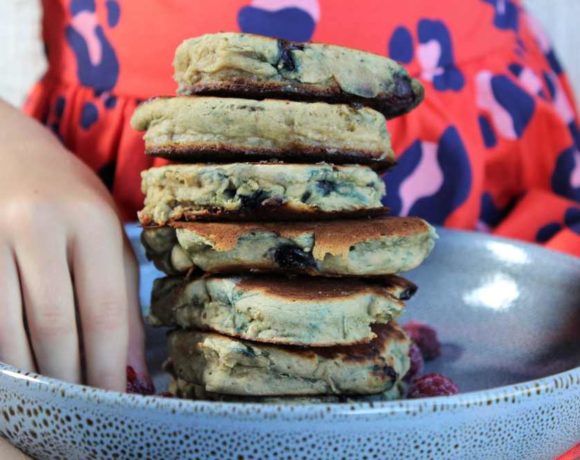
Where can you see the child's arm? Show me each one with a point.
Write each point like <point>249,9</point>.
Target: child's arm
<point>7,452</point>
<point>61,245</point>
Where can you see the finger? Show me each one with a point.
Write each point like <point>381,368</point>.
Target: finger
<point>136,350</point>
<point>48,297</point>
<point>14,347</point>
<point>101,289</point>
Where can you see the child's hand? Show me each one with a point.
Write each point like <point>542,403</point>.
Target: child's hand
<point>68,279</point>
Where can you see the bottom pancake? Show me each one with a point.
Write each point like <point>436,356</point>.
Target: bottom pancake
<point>179,388</point>
<point>220,364</point>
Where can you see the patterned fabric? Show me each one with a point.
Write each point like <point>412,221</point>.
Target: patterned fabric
<point>495,146</point>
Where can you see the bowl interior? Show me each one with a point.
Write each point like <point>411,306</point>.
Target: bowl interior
<point>506,312</point>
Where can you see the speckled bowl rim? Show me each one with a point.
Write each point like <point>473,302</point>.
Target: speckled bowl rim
<point>510,393</point>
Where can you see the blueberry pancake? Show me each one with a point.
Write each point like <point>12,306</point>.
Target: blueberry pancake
<point>216,130</point>
<point>225,365</point>
<point>360,247</point>
<point>321,312</point>
<point>244,65</point>
<point>259,191</point>
<point>181,389</point>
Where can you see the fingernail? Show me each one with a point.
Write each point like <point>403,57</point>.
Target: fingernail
<point>139,383</point>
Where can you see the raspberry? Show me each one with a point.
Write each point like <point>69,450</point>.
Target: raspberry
<point>432,385</point>
<point>137,386</point>
<point>416,362</point>
<point>425,337</point>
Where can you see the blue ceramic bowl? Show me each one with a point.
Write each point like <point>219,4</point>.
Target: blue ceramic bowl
<point>509,317</point>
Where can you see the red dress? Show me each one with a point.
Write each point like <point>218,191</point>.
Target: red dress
<point>494,147</point>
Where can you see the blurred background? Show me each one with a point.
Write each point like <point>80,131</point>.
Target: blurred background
<point>22,59</point>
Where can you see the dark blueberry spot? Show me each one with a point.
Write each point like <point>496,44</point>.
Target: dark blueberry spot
<point>248,351</point>
<point>286,58</point>
<point>254,200</point>
<point>402,86</point>
<point>306,196</point>
<point>292,257</point>
<point>385,371</point>
<point>326,187</point>
<point>408,293</point>
<point>230,192</point>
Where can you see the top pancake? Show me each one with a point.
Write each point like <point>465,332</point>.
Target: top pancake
<point>245,65</point>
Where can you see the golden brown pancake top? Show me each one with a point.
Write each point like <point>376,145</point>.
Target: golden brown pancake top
<point>331,237</point>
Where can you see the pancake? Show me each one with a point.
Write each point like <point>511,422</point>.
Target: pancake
<point>256,191</point>
<point>364,247</point>
<point>244,65</point>
<point>320,312</point>
<point>181,389</point>
<point>214,130</point>
<point>221,364</point>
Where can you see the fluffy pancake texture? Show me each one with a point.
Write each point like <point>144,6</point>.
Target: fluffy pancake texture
<point>227,129</point>
<point>283,281</point>
<point>361,247</point>
<point>221,364</point>
<point>320,312</point>
<point>250,191</point>
<point>181,389</point>
<point>235,64</point>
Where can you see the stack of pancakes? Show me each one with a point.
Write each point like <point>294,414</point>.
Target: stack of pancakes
<point>282,266</point>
